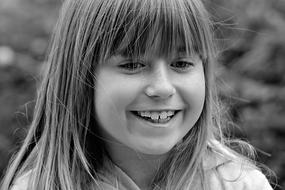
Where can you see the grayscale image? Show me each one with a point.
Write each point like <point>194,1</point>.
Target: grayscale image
<point>142,94</point>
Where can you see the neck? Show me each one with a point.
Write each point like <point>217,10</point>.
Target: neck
<point>141,168</point>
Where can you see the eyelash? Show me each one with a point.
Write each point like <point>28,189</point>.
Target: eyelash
<point>133,67</point>
<point>185,67</point>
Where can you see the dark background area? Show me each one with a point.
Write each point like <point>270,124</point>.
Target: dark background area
<point>251,37</point>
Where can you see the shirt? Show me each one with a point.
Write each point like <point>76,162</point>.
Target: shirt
<point>224,170</point>
<point>234,177</point>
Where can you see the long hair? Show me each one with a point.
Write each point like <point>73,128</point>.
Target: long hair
<point>57,149</point>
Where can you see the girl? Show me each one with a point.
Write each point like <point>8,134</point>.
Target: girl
<point>128,102</point>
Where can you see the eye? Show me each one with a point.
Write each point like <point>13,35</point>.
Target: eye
<point>181,65</point>
<point>132,66</point>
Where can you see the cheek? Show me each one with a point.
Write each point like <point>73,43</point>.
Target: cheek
<point>194,88</point>
<point>114,94</point>
<point>193,93</point>
<point>112,98</point>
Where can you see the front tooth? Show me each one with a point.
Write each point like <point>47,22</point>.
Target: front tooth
<point>154,116</point>
<point>163,115</point>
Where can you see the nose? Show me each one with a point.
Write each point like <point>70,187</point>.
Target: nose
<point>160,85</point>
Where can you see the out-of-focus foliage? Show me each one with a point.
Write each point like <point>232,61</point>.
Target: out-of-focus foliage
<point>25,28</point>
<point>251,38</point>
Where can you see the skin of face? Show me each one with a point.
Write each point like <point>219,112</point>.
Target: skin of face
<point>127,84</point>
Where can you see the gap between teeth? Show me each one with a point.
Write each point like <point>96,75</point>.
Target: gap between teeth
<point>156,115</point>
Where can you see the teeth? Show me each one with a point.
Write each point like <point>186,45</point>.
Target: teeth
<point>163,115</point>
<point>170,113</point>
<point>156,115</point>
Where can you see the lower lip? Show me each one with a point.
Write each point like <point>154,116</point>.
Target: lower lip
<point>167,124</point>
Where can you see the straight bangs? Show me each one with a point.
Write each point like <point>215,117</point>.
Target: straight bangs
<point>164,27</point>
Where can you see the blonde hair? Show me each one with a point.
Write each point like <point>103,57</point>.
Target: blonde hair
<point>57,148</point>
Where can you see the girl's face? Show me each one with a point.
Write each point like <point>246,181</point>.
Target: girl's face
<point>149,104</point>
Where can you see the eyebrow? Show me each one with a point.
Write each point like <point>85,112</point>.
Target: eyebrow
<point>125,52</point>
<point>181,49</point>
<point>128,51</point>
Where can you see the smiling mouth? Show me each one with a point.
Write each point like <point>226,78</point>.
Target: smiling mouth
<point>156,117</point>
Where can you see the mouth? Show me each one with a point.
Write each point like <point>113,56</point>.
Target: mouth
<point>156,117</point>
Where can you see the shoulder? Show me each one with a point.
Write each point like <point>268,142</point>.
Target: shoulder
<point>227,171</point>
<point>239,176</point>
<point>21,183</point>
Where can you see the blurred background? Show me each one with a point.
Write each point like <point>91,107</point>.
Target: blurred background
<point>251,38</point>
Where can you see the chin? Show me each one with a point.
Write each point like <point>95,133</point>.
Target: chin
<point>154,149</point>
